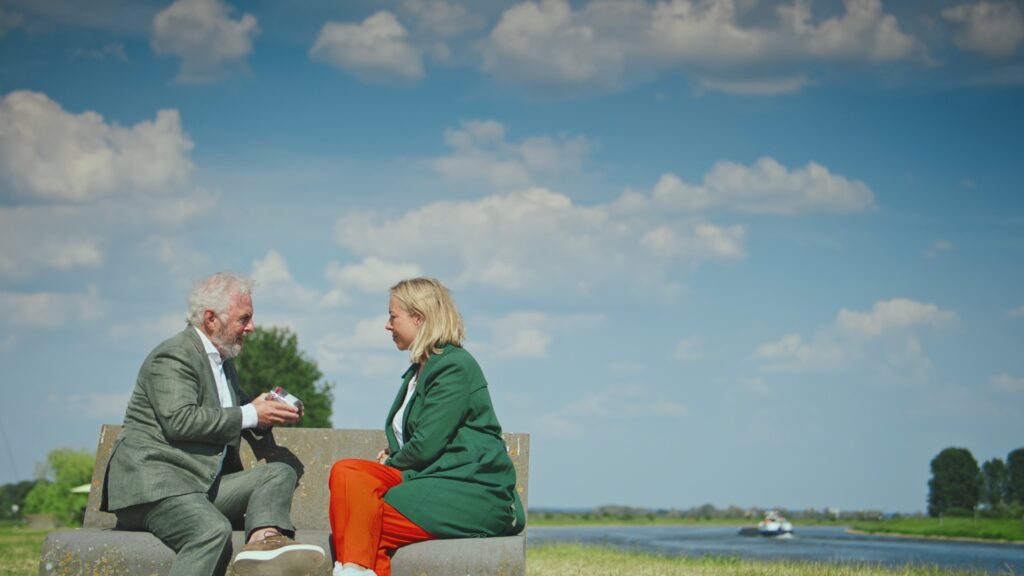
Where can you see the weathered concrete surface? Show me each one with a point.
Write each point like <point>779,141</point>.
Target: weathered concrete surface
<point>99,551</point>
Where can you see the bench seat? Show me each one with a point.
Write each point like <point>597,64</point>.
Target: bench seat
<point>105,552</point>
<point>99,550</point>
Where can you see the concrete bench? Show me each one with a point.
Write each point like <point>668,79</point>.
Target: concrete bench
<point>97,549</point>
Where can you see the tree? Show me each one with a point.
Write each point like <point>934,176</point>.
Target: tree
<point>270,358</point>
<point>1015,477</point>
<point>993,483</point>
<point>12,495</point>
<point>955,484</point>
<point>63,470</point>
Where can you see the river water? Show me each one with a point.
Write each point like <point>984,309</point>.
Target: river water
<point>810,543</point>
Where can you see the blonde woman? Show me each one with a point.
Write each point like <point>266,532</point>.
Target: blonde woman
<point>446,472</point>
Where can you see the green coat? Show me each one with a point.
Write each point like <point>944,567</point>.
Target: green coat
<point>457,478</point>
<point>175,430</point>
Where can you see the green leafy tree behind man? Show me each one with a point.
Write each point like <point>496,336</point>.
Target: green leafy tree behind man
<point>64,469</point>
<point>271,358</point>
<point>955,485</point>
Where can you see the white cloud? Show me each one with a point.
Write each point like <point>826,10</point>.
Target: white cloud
<point>627,400</point>
<point>791,353</point>
<point>527,334</point>
<point>274,281</point>
<point>112,50</point>
<point>937,248</point>
<point>756,87</point>
<point>442,19</point>
<point>1017,312</point>
<point>50,154</point>
<point>176,256</point>
<point>520,335</point>
<point>150,329</point>
<point>766,188</point>
<point>549,46</point>
<point>371,276</point>
<point>863,32</point>
<point>64,237</point>
<point>992,29</point>
<point>481,153</point>
<point>559,426</point>
<point>885,337</point>
<point>688,350</point>
<point>535,238</point>
<point>202,33</point>
<point>378,49</point>
<point>49,310</point>
<point>1006,383</point>
<point>34,237</point>
<point>895,314</point>
<point>367,350</point>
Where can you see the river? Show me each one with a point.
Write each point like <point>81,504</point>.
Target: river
<point>809,543</point>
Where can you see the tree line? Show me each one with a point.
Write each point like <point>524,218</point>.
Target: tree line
<point>959,487</point>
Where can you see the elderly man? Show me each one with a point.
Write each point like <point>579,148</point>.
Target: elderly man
<point>175,470</point>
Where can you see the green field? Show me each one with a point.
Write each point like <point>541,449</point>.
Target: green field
<point>19,551</point>
<point>1003,529</point>
<point>20,548</point>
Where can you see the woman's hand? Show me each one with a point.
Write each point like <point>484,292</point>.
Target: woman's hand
<point>382,456</point>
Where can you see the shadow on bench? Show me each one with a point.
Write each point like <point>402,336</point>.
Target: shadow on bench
<point>97,549</point>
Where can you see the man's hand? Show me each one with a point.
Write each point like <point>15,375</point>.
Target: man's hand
<point>382,456</point>
<point>271,412</point>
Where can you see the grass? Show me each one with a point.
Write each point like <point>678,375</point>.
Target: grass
<point>579,560</point>
<point>1003,529</point>
<point>20,549</point>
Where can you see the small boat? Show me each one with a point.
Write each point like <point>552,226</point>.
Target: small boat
<point>774,524</point>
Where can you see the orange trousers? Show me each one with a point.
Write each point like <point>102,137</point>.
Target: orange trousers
<point>366,529</point>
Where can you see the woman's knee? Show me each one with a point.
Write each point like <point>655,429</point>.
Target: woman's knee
<point>343,468</point>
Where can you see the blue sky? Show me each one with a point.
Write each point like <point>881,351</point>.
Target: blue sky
<point>732,252</point>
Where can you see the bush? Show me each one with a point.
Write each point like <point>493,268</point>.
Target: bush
<point>956,512</point>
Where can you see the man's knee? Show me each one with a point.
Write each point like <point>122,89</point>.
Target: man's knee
<point>216,530</point>
<point>282,472</point>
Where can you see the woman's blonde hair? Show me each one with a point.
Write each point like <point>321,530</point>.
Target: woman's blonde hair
<point>442,323</point>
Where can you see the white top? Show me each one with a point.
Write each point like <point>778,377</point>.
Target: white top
<point>396,423</point>
<point>249,417</point>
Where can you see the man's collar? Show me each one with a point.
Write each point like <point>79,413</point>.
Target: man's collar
<point>208,346</point>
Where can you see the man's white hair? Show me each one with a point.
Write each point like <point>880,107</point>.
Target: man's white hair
<point>215,293</point>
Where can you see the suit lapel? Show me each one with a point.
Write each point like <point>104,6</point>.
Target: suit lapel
<point>207,381</point>
<point>233,386</point>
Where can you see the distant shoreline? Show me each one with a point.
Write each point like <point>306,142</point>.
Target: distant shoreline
<point>796,529</point>
<point>935,537</point>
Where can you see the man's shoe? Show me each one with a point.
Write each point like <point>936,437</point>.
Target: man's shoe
<point>277,555</point>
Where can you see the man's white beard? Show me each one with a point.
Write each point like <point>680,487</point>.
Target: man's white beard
<point>227,349</point>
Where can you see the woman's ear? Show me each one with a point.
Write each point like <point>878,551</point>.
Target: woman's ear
<point>417,319</point>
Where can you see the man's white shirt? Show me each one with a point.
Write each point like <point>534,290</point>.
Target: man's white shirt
<point>249,417</point>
